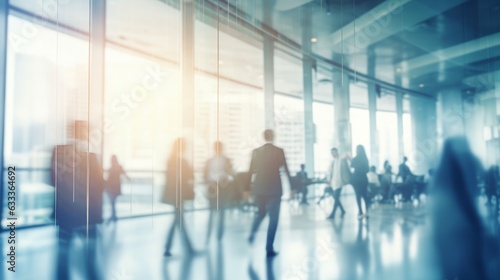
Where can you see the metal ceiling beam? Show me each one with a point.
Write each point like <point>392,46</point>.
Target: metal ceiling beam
<point>385,20</point>
<point>452,53</point>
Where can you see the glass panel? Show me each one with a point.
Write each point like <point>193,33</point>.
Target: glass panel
<point>323,122</point>
<point>287,74</point>
<point>150,27</point>
<point>232,65</point>
<point>289,121</point>
<point>233,117</point>
<point>387,132</point>
<point>406,105</point>
<point>142,96</point>
<point>386,102</point>
<point>360,130</point>
<point>407,135</point>
<point>73,14</point>
<point>358,95</point>
<point>56,93</point>
<point>322,87</point>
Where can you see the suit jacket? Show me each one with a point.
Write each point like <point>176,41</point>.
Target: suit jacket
<point>71,172</point>
<point>226,166</point>
<point>266,163</point>
<point>345,172</point>
<point>179,184</point>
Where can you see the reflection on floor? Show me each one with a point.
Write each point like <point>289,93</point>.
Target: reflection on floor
<point>392,244</point>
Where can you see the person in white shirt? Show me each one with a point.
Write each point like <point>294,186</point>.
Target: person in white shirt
<point>372,176</point>
<point>339,176</point>
<point>218,175</point>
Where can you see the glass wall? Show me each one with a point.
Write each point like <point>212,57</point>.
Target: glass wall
<point>359,117</point>
<point>387,130</point>
<point>323,119</point>
<point>142,119</point>
<point>47,78</point>
<point>142,99</point>
<point>407,129</point>
<point>289,108</point>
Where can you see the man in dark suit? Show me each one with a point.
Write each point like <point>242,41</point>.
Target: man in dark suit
<point>266,164</point>
<point>78,180</point>
<point>303,182</point>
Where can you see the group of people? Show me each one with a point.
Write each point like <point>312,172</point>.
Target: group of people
<point>340,175</point>
<point>265,166</point>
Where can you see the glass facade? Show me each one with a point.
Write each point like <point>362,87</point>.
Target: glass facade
<point>145,91</point>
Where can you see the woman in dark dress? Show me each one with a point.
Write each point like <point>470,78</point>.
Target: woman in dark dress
<point>359,180</point>
<point>113,185</point>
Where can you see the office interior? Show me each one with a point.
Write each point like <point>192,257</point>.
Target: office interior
<point>400,77</point>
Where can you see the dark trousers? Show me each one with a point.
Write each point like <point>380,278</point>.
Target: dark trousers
<point>337,203</point>
<point>304,192</point>
<point>65,235</point>
<point>178,222</point>
<point>220,219</point>
<point>112,198</point>
<point>361,190</point>
<point>267,205</point>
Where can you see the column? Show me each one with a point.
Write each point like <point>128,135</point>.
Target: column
<point>187,72</point>
<point>425,147</point>
<point>342,129</point>
<point>307,70</point>
<point>268,48</point>
<point>451,112</point>
<point>490,126</point>
<point>399,116</point>
<point>3,73</point>
<point>372,109</point>
<point>268,81</point>
<point>97,41</point>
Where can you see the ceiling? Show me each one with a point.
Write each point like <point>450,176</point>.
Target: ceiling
<point>422,45</point>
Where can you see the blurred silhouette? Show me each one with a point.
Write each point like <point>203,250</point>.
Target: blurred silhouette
<point>218,274</point>
<point>113,184</point>
<point>184,267</point>
<point>218,174</point>
<point>374,189</point>
<point>339,175</point>
<point>267,189</point>
<point>403,170</point>
<point>405,187</point>
<point>270,275</point>
<point>78,180</point>
<point>179,187</point>
<point>386,181</point>
<point>359,180</point>
<point>464,250</point>
<point>491,180</point>
<point>372,177</point>
<point>300,183</point>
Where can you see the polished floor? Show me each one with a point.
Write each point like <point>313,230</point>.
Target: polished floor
<point>394,243</point>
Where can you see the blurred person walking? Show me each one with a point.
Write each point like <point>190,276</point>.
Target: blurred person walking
<point>113,184</point>
<point>339,175</point>
<point>179,188</point>
<point>77,177</point>
<point>359,181</point>
<point>464,248</point>
<point>266,163</point>
<point>218,175</point>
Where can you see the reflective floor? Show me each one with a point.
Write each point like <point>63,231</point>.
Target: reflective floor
<point>394,243</point>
